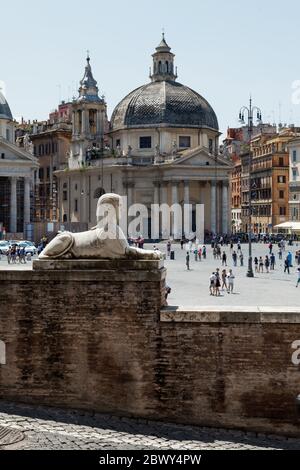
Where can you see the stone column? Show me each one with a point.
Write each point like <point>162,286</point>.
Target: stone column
<point>155,213</point>
<point>83,121</point>
<point>225,207</point>
<point>176,225</point>
<point>186,192</point>
<point>73,122</point>
<point>26,201</point>
<point>164,217</point>
<point>213,200</point>
<point>187,214</point>
<point>13,204</point>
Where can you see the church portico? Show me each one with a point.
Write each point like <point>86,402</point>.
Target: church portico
<point>18,168</point>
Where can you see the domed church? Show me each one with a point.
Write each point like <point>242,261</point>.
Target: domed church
<point>162,147</point>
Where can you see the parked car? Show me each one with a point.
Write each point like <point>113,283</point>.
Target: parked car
<point>4,247</point>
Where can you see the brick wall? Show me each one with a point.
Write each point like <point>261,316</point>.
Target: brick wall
<point>97,339</point>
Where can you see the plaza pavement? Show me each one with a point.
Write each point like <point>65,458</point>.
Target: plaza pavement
<point>191,288</point>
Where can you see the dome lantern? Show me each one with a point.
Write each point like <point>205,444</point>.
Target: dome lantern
<point>163,63</point>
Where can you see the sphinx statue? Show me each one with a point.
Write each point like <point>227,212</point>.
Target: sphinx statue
<point>100,242</point>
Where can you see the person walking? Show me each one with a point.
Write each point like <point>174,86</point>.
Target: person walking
<point>267,263</point>
<point>204,252</point>
<point>260,265</point>
<point>224,280</point>
<point>169,248</point>
<point>270,248</point>
<point>187,260</point>
<point>231,246</point>
<point>196,254</point>
<point>280,253</point>
<point>241,259</point>
<point>286,265</point>
<point>256,264</point>
<point>212,282</point>
<point>230,278</point>
<point>200,254</point>
<point>224,259</point>
<point>217,283</point>
<point>234,258</point>
<point>272,261</point>
<point>298,278</point>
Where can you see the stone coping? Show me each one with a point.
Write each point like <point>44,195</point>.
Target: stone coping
<point>97,265</point>
<point>212,314</point>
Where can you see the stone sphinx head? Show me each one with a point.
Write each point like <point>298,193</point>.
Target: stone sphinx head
<point>109,205</point>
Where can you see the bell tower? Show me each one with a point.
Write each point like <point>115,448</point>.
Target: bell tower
<point>89,119</point>
<point>163,63</point>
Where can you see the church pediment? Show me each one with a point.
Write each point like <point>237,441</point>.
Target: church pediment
<point>13,153</point>
<point>201,157</point>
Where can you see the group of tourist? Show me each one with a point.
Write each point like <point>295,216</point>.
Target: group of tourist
<point>223,281</point>
<point>17,254</point>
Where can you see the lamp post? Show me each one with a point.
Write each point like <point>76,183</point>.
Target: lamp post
<point>250,111</point>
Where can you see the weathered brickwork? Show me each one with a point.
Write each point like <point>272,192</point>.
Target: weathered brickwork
<point>95,340</point>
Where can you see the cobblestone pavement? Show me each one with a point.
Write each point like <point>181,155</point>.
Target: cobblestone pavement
<point>49,428</point>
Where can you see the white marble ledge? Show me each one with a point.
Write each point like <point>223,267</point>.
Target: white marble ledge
<point>223,314</point>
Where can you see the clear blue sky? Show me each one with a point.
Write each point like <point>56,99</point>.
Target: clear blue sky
<point>224,50</point>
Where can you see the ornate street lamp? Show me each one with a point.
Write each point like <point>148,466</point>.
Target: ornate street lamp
<point>250,111</point>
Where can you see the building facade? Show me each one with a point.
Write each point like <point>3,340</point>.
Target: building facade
<point>163,148</point>
<point>18,174</point>
<point>269,182</point>
<point>294,185</point>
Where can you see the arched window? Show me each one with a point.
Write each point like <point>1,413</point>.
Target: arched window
<point>159,66</point>
<point>98,193</point>
<point>167,66</point>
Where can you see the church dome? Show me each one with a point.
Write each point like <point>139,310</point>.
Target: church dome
<point>163,103</point>
<point>5,112</point>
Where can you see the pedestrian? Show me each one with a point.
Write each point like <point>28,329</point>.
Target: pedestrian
<point>261,265</point>
<point>224,259</point>
<point>241,259</point>
<point>270,248</point>
<point>256,264</point>
<point>187,260</point>
<point>272,261</point>
<point>298,279</point>
<point>230,278</point>
<point>231,246</point>
<point>169,247</point>
<point>224,279</point>
<point>218,282</point>
<point>212,282</point>
<point>234,258</point>
<point>167,292</point>
<point>239,248</point>
<point>280,253</point>
<point>215,252</point>
<point>196,254</point>
<point>8,254</point>
<point>182,243</point>
<point>290,259</point>
<point>200,253</point>
<point>286,265</point>
<point>267,263</point>
<point>204,252</point>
